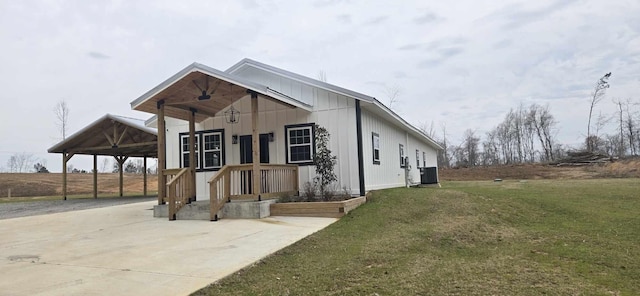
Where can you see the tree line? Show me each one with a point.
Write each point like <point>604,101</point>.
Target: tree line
<point>527,134</point>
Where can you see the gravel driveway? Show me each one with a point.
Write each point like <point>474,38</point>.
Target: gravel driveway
<point>21,209</point>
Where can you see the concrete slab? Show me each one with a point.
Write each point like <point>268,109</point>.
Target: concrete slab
<point>123,250</point>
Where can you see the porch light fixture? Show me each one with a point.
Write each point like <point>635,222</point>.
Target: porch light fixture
<point>271,137</point>
<point>232,115</point>
<point>234,139</point>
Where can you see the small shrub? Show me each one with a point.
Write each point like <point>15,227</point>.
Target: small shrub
<point>310,191</point>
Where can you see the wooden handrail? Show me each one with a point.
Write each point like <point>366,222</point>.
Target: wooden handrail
<point>234,182</point>
<point>179,190</point>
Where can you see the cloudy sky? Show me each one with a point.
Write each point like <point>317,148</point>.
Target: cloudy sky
<point>462,63</point>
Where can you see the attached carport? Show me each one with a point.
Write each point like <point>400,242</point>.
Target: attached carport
<point>111,135</point>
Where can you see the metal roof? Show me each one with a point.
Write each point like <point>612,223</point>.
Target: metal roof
<point>111,135</point>
<point>181,94</point>
<point>375,105</point>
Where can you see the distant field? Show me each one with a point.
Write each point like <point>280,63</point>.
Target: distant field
<point>44,185</point>
<point>628,168</point>
<point>536,237</point>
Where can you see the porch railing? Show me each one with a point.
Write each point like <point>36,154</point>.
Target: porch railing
<point>180,189</point>
<point>235,182</point>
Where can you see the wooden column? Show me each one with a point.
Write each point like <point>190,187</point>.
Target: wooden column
<point>192,151</point>
<point>255,138</point>
<point>95,176</point>
<point>65,158</point>
<point>121,160</point>
<point>161,153</point>
<point>144,176</point>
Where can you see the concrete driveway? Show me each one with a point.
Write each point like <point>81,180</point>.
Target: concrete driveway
<point>123,250</point>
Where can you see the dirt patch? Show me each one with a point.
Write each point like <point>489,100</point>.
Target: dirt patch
<point>33,184</point>
<point>627,168</point>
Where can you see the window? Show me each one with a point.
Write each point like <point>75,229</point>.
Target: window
<point>424,159</point>
<point>212,150</point>
<point>184,140</point>
<point>300,144</point>
<point>209,155</point>
<point>375,143</point>
<point>402,162</point>
<point>417,158</point>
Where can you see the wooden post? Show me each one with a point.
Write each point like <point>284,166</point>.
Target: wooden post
<point>95,176</point>
<point>255,138</point>
<point>161,153</point>
<point>121,160</point>
<point>144,176</point>
<point>65,158</point>
<point>64,175</point>
<point>192,153</point>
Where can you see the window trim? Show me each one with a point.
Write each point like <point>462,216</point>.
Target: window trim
<point>373,147</point>
<point>200,149</point>
<point>204,150</point>
<point>184,153</point>
<point>424,159</point>
<point>287,128</point>
<point>403,164</point>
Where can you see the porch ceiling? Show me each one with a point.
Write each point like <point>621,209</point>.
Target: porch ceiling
<point>182,96</point>
<point>180,93</point>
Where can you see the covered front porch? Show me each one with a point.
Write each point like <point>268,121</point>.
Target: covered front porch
<point>199,93</point>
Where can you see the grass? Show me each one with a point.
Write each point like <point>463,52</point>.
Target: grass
<point>547,237</point>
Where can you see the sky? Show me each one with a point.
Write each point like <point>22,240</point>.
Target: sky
<point>463,64</point>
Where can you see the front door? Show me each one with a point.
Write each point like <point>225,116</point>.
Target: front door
<point>246,147</point>
<point>246,156</point>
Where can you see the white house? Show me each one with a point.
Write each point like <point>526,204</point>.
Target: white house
<point>373,145</point>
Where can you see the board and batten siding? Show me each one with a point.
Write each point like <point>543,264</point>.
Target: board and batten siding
<point>334,112</point>
<point>388,173</point>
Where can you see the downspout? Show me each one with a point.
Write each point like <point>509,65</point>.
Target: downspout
<point>360,150</point>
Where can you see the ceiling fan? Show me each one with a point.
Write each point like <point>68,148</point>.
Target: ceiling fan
<point>206,95</point>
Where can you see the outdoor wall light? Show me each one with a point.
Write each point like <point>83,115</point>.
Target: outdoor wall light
<point>234,139</point>
<point>271,137</point>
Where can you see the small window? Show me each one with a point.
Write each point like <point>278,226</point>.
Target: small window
<point>402,160</point>
<point>184,139</point>
<point>375,143</point>
<point>209,150</point>
<point>300,144</point>
<point>212,150</point>
<point>424,159</point>
<point>417,158</point>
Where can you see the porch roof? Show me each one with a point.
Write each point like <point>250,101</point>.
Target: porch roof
<point>181,91</point>
<point>112,135</point>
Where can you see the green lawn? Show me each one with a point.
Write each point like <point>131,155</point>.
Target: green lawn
<point>552,237</point>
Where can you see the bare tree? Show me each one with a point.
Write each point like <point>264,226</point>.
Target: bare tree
<point>392,95</point>
<point>61,110</point>
<point>428,129</point>
<point>105,165</point>
<point>322,76</point>
<point>470,148</point>
<point>20,162</point>
<point>444,157</point>
<point>596,96</point>
<point>544,124</point>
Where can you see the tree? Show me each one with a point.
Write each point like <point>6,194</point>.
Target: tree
<point>40,168</point>
<point>323,160</point>
<point>61,110</point>
<point>392,95</point>
<point>596,96</point>
<point>322,76</point>
<point>20,162</point>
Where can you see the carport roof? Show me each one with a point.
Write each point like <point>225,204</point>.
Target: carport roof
<point>112,135</point>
